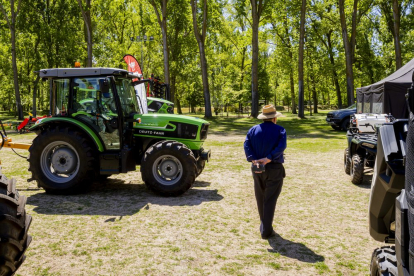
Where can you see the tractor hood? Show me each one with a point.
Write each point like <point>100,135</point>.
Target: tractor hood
<point>161,120</point>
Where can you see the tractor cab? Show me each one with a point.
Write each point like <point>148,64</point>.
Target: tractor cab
<point>101,98</point>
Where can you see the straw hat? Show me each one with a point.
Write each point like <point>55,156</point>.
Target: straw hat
<point>269,112</point>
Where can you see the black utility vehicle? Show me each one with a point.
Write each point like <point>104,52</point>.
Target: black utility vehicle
<point>339,119</point>
<point>391,205</point>
<point>362,144</point>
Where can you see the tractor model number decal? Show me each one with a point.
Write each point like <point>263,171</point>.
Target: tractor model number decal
<point>151,132</point>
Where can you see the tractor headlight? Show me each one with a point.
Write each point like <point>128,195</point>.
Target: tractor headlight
<point>203,131</point>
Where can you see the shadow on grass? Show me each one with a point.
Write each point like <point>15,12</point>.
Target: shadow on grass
<point>117,198</point>
<point>293,250</point>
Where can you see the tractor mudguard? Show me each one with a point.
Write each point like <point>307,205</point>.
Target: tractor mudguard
<point>92,135</point>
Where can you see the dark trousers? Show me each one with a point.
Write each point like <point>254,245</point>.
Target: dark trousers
<point>267,188</point>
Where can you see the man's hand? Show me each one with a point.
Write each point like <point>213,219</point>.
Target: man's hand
<point>264,161</point>
<point>256,163</point>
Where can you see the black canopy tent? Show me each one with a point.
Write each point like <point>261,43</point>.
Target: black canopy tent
<point>387,95</point>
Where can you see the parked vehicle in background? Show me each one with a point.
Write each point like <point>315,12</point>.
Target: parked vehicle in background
<point>362,144</point>
<point>340,119</point>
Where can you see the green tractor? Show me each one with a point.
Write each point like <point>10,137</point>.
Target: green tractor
<point>96,130</point>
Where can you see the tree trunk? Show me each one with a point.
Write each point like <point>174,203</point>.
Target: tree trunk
<point>300,65</point>
<point>348,54</point>
<point>397,43</point>
<point>242,68</point>
<point>86,14</point>
<point>162,21</point>
<point>292,82</point>
<point>204,74</point>
<point>292,89</point>
<point>166,54</point>
<point>11,23</point>
<point>335,75</point>
<point>255,59</point>
<point>179,111</point>
<point>19,107</point>
<point>34,95</point>
<point>200,41</point>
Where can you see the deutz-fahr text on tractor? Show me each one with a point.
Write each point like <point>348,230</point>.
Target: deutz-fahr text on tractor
<point>95,130</point>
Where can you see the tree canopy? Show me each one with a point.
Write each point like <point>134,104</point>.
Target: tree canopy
<point>236,52</point>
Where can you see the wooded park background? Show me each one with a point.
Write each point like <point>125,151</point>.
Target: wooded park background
<point>215,54</point>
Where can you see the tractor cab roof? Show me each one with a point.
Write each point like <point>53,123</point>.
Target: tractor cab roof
<point>81,72</point>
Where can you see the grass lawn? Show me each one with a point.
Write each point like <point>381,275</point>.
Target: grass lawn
<point>120,228</point>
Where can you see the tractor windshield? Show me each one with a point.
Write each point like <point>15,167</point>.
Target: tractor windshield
<point>127,96</point>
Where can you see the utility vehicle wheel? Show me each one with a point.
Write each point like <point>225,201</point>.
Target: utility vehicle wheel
<point>201,163</point>
<point>357,169</point>
<point>61,160</point>
<point>14,224</point>
<point>345,124</point>
<point>336,127</point>
<point>347,163</point>
<point>384,262</point>
<point>168,168</point>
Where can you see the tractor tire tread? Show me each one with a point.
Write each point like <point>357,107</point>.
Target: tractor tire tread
<point>384,261</point>
<point>188,162</point>
<point>357,169</point>
<point>87,170</point>
<point>347,162</point>
<point>14,226</point>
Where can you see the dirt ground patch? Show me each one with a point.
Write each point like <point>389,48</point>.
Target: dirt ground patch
<point>120,228</point>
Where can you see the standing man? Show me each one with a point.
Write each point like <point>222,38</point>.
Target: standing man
<point>264,146</point>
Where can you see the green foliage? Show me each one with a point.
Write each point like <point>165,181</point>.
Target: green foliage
<point>51,34</point>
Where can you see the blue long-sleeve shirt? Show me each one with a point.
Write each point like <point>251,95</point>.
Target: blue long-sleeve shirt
<point>265,140</point>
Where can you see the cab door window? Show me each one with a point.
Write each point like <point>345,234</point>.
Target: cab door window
<point>61,96</point>
<point>97,109</point>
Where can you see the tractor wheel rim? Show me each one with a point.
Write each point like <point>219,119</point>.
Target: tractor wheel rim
<point>167,170</point>
<point>59,162</point>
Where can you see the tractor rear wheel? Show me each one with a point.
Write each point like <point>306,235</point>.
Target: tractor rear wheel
<point>347,163</point>
<point>384,261</point>
<point>168,168</point>
<point>357,169</point>
<point>62,161</point>
<point>14,224</point>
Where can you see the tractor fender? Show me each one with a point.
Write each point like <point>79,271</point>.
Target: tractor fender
<point>47,122</point>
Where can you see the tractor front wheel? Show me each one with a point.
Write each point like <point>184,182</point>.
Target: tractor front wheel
<point>62,161</point>
<point>357,169</point>
<point>168,168</point>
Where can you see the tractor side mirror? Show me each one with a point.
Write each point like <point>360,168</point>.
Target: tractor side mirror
<point>104,85</point>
